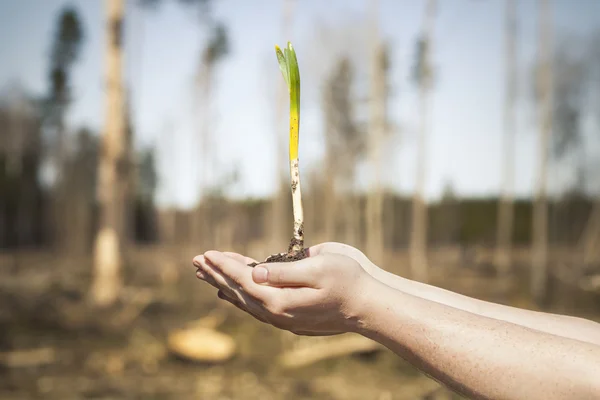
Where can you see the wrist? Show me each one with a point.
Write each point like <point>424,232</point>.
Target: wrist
<point>391,280</point>
<point>362,302</point>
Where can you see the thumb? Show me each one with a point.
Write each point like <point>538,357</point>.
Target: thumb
<point>299,273</point>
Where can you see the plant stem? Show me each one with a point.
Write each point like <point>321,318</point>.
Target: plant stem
<point>297,243</point>
<point>293,78</point>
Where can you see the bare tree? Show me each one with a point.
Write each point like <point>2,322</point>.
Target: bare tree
<point>342,136</point>
<point>216,49</point>
<point>505,210</point>
<point>213,52</point>
<point>423,77</point>
<point>80,186</point>
<point>376,133</point>
<point>589,242</point>
<point>64,53</point>
<point>573,86</point>
<point>20,158</point>
<point>107,251</point>
<point>545,108</point>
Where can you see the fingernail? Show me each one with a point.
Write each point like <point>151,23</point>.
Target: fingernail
<point>196,261</point>
<point>260,274</point>
<point>200,274</point>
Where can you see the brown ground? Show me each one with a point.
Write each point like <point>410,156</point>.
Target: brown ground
<point>120,353</point>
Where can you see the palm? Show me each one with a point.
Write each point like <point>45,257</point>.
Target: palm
<point>248,260</point>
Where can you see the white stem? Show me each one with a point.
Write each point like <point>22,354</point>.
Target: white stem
<point>297,205</point>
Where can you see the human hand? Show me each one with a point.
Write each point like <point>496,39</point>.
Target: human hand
<point>320,295</point>
<point>345,250</point>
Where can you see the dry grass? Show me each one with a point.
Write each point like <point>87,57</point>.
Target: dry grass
<point>106,356</point>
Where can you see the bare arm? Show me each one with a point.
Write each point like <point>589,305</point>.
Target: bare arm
<point>561,325</point>
<point>480,357</point>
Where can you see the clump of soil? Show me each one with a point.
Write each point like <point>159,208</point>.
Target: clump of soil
<point>293,254</point>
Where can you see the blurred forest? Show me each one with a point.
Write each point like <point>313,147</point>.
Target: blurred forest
<point>96,276</point>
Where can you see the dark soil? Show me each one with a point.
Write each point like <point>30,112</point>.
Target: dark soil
<point>290,256</point>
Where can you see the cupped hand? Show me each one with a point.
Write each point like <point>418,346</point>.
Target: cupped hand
<point>345,250</point>
<point>320,295</point>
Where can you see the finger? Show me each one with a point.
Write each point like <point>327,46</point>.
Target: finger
<point>237,271</point>
<point>308,333</point>
<point>213,276</point>
<point>299,273</point>
<point>234,290</point>
<point>196,261</point>
<point>240,258</point>
<point>203,271</point>
<point>231,299</point>
<point>200,274</point>
<point>210,280</point>
<point>239,305</point>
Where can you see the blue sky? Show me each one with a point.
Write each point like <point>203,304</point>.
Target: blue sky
<point>162,57</point>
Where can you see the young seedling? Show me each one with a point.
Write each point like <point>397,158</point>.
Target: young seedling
<point>288,64</point>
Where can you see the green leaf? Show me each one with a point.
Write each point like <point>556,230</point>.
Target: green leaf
<point>282,65</point>
<point>293,71</point>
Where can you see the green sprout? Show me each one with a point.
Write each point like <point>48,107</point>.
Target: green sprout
<point>288,64</point>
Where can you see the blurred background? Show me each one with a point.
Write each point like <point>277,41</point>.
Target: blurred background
<point>455,142</point>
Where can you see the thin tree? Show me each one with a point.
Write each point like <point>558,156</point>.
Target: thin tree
<point>590,239</point>
<point>218,43</point>
<point>81,188</point>
<point>216,49</point>
<point>376,129</point>
<point>573,73</point>
<point>545,107</point>
<point>589,242</point>
<point>423,78</point>
<point>107,252</point>
<point>505,209</point>
<point>65,52</point>
<point>342,136</point>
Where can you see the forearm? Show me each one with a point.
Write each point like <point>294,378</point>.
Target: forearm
<point>478,356</point>
<point>566,326</point>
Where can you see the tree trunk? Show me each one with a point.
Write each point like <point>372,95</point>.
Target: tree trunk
<point>590,240</point>
<point>331,215</point>
<point>108,258</point>
<point>505,210</point>
<point>351,215</point>
<point>418,239</point>
<point>204,217</point>
<point>540,212</point>
<point>376,130</point>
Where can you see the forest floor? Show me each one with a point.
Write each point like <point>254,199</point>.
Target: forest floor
<point>63,349</point>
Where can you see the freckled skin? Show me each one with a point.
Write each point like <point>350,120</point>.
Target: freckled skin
<point>480,349</point>
<point>482,358</point>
